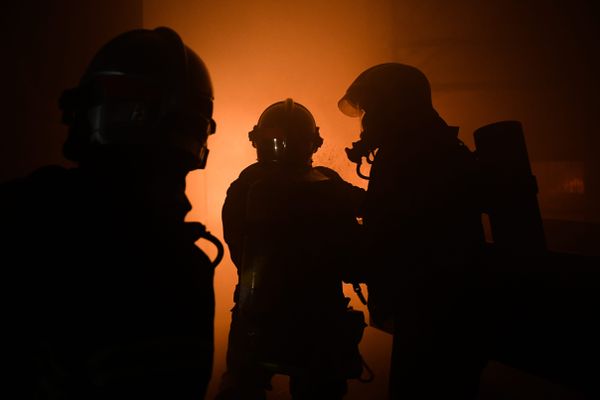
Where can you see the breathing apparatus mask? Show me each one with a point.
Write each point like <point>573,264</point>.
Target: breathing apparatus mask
<point>378,95</point>
<point>144,90</point>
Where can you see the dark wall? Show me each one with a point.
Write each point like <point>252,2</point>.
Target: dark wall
<point>45,48</point>
<point>536,61</point>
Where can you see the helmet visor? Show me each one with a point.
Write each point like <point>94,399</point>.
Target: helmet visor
<point>349,108</point>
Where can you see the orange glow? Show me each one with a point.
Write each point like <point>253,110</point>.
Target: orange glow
<point>574,185</point>
<point>486,63</point>
<point>258,53</point>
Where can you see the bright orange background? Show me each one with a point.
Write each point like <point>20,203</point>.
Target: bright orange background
<point>486,62</point>
<point>259,53</point>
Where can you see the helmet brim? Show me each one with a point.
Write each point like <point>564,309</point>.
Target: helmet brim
<point>349,108</point>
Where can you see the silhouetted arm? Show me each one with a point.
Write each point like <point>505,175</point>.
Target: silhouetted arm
<point>233,216</point>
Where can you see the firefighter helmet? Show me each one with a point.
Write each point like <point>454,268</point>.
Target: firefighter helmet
<point>389,86</point>
<point>144,88</point>
<point>286,133</point>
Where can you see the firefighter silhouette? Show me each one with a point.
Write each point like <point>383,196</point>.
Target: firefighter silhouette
<point>423,233</point>
<point>452,300</point>
<point>113,299</point>
<point>291,229</point>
